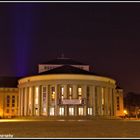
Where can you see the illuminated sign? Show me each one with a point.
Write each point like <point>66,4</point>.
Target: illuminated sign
<point>71,102</point>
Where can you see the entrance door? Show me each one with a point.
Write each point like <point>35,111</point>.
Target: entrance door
<point>61,111</point>
<point>80,111</point>
<point>71,111</point>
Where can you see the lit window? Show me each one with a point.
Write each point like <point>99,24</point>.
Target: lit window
<point>102,92</point>
<point>70,93</point>
<point>89,111</point>
<point>79,93</point>
<point>36,95</point>
<point>44,109</point>
<point>53,93</point>
<point>61,111</point>
<point>62,92</point>
<point>51,111</point>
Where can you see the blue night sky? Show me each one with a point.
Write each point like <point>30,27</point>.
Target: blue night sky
<point>105,35</point>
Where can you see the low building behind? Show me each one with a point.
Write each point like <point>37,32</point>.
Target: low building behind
<point>119,104</point>
<point>8,97</point>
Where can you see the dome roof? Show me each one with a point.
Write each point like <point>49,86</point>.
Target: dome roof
<point>63,61</point>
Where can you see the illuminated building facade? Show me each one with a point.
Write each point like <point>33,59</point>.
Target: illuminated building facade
<point>64,87</point>
<point>8,97</point>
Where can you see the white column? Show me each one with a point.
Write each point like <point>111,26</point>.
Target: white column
<point>19,103</point>
<point>33,98</point>
<point>84,96</point>
<point>106,101</point>
<point>93,100</point>
<point>109,107</point>
<point>110,101</point>
<point>24,95</point>
<point>113,101</point>
<point>98,101</point>
<point>40,100</point>
<point>75,96</point>
<point>22,100</point>
<point>102,101</point>
<point>65,97</point>
<point>25,101</point>
<point>47,101</point>
<point>36,100</point>
<point>56,107</point>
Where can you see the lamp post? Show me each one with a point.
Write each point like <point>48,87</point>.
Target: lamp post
<point>136,111</point>
<point>125,113</point>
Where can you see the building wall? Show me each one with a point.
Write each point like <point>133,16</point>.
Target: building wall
<point>8,102</point>
<point>49,95</point>
<point>119,104</point>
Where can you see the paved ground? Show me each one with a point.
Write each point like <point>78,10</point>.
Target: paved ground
<point>80,128</point>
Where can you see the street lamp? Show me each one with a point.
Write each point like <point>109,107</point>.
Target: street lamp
<point>125,113</point>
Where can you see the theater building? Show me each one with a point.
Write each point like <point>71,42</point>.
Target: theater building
<point>64,87</point>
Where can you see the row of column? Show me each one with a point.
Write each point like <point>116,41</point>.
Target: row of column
<point>100,100</point>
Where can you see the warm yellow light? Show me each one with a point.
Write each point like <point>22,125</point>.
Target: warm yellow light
<point>125,112</point>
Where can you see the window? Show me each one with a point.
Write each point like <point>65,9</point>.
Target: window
<point>118,103</point>
<point>79,93</point>
<point>62,93</point>
<point>52,93</point>
<point>70,93</point>
<point>13,101</point>
<point>51,111</point>
<point>36,95</point>
<point>44,110</point>
<point>102,91</point>
<point>7,111</point>
<point>8,101</point>
<point>90,111</point>
<point>13,110</point>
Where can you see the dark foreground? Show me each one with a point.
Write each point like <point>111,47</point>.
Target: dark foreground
<point>80,128</point>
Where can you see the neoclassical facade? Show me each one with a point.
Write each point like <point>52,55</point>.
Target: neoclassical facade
<point>68,90</point>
